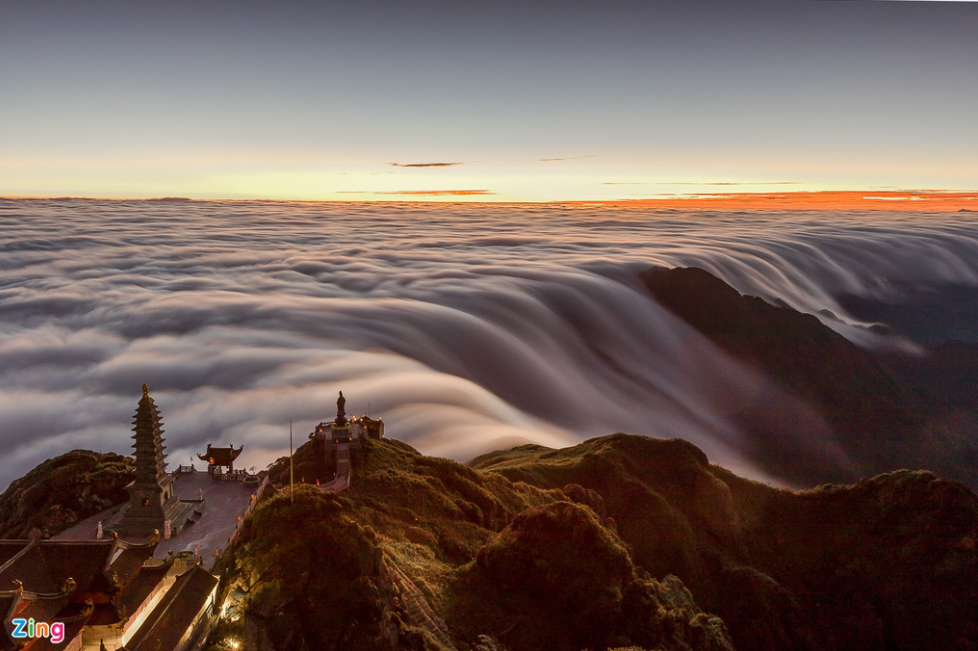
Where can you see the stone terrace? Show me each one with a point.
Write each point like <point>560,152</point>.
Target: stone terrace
<point>226,503</point>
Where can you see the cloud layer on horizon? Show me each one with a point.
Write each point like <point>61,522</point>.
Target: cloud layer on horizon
<point>464,327</point>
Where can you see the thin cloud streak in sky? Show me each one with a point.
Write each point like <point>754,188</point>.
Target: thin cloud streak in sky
<point>421,165</point>
<point>703,183</point>
<point>442,193</point>
<point>423,193</point>
<point>557,160</point>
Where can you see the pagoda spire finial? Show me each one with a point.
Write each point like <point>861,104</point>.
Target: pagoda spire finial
<point>145,391</point>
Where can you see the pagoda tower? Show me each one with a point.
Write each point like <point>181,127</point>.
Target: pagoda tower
<point>152,501</point>
<point>148,437</point>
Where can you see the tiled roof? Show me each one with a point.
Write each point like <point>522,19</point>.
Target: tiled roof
<point>140,587</point>
<point>9,549</point>
<point>29,569</point>
<point>126,564</point>
<point>47,564</point>
<point>44,567</point>
<point>175,613</point>
<point>6,603</point>
<point>105,614</point>
<point>220,456</point>
<point>82,561</point>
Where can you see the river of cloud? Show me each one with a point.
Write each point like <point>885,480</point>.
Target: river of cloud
<point>467,328</point>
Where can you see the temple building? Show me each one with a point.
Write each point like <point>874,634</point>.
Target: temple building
<point>102,595</point>
<point>342,440</point>
<point>153,506</point>
<point>348,430</point>
<point>365,427</point>
<point>89,590</point>
<point>220,460</point>
<point>107,594</point>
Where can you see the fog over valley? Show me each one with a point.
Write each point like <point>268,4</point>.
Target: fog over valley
<point>467,327</point>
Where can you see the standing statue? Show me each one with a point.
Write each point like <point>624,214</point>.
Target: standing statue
<point>341,410</point>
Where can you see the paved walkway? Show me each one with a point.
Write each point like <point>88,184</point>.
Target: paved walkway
<point>227,501</point>
<point>343,470</point>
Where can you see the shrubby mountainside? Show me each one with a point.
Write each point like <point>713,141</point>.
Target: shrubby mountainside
<point>428,553</point>
<point>61,491</point>
<point>883,410</point>
<point>622,541</point>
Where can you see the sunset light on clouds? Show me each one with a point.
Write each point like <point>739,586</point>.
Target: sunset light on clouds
<point>526,324</point>
<point>485,101</point>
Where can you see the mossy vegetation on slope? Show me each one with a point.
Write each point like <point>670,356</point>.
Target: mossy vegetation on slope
<point>61,491</point>
<point>435,541</point>
<point>558,560</point>
<point>621,541</point>
<point>313,578</point>
<point>887,563</point>
<point>660,495</point>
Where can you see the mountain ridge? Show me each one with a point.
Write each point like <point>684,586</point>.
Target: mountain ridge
<point>622,541</point>
<point>660,549</point>
<point>880,406</point>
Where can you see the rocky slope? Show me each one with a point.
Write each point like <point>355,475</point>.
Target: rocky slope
<point>622,541</point>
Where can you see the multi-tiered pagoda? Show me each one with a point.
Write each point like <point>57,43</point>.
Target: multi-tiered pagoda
<point>153,506</point>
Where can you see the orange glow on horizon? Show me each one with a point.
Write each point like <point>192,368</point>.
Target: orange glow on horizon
<point>902,200</point>
<point>886,200</point>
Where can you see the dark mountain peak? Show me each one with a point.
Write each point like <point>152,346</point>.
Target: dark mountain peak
<point>878,419</point>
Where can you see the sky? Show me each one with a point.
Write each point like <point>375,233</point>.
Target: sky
<point>486,101</point>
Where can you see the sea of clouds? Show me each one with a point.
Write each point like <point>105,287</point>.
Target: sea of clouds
<point>468,328</point>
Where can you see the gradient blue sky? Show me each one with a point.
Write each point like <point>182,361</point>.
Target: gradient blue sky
<point>555,100</point>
